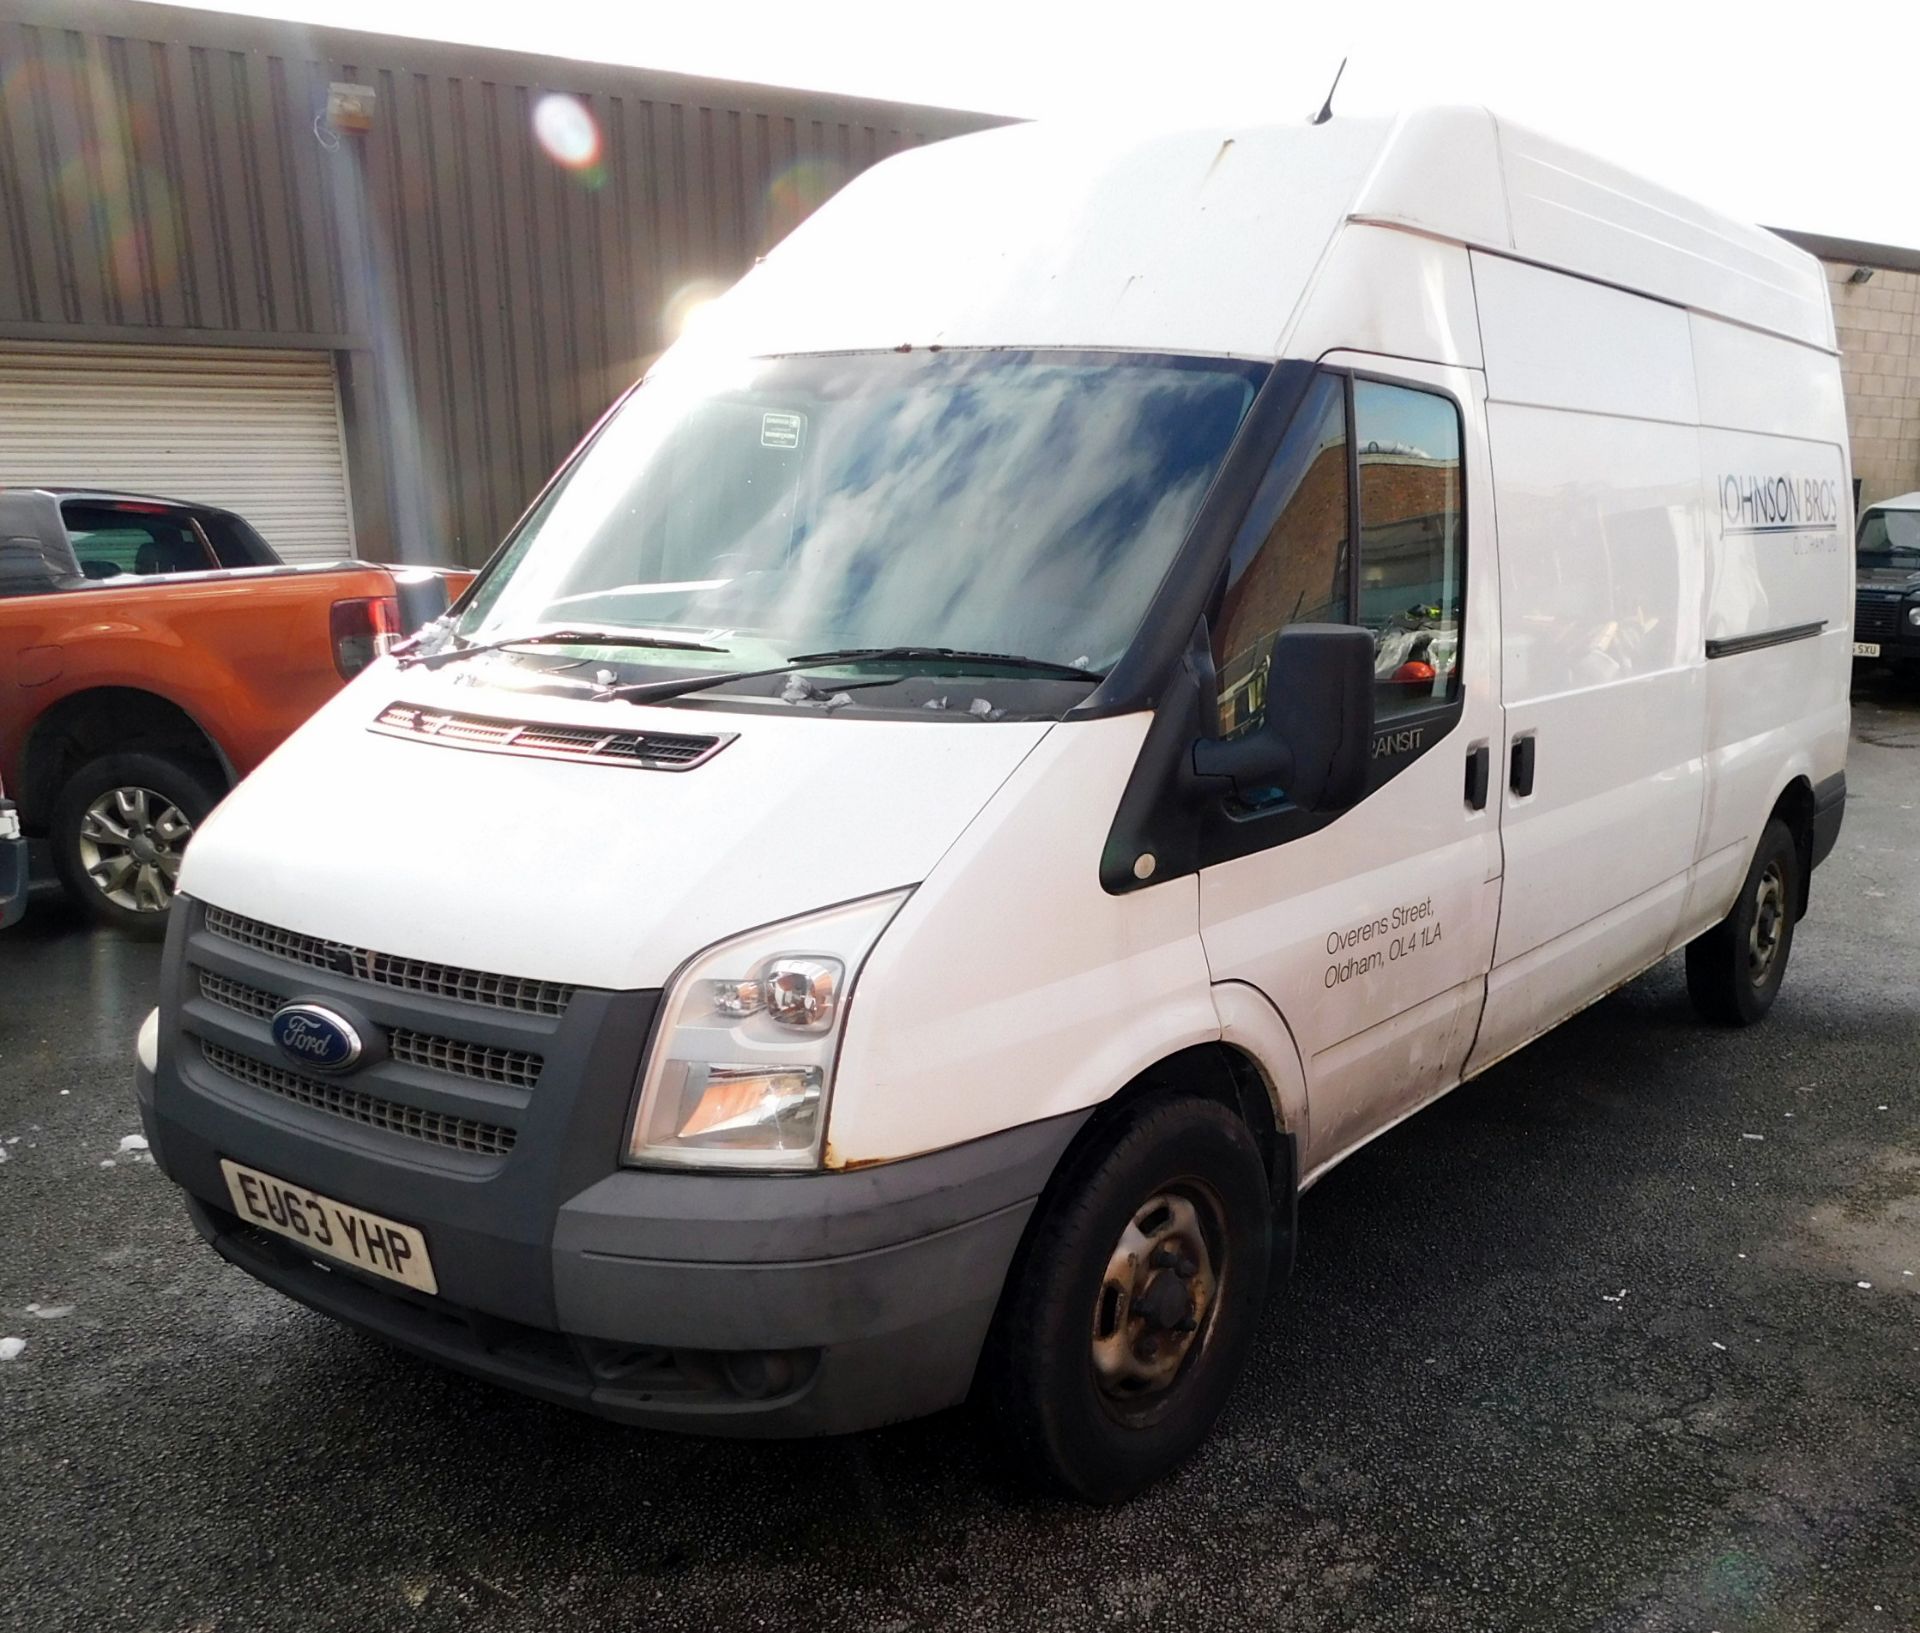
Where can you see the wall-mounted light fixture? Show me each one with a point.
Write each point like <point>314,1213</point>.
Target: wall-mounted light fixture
<point>350,107</point>
<point>1859,274</point>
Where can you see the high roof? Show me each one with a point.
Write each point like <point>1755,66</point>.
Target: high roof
<point>1207,240</point>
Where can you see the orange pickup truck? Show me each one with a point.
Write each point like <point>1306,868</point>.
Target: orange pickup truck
<point>151,654</point>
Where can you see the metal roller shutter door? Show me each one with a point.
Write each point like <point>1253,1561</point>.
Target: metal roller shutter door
<point>256,432</point>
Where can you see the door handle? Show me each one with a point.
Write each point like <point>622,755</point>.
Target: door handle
<point>1520,771</point>
<point>1479,772</point>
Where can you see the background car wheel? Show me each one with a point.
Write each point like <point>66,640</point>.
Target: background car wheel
<point>1129,1312</point>
<point>119,830</point>
<point>1734,971</point>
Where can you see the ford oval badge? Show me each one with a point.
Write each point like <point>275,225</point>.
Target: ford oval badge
<point>314,1036</point>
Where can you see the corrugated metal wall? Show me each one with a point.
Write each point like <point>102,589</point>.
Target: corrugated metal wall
<point>168,175</point>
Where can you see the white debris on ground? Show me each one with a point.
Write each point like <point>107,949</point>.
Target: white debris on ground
<point>1613,1298</point>
<point>1753,1136</point>
<point>133,1142</point>
<point>1865,1285</point>
<point>10,1348</point>
<point>1717,1344</point>
<point>50,1312</point>
<point>108,1162</point>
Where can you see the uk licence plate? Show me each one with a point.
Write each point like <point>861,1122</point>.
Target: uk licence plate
<point>382,1247</point>
<point>1866,649</point>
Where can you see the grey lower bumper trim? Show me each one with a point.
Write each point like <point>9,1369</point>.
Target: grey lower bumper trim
<point>870,1292</point>
<point>1829,807</point>
<point>13,881</point>
<point>748,1219</point>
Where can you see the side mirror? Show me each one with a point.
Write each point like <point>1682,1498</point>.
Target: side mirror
<point>422,596</point>
<point>1317,735</point>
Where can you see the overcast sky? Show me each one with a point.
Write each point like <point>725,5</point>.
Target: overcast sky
<point>1793,115</point>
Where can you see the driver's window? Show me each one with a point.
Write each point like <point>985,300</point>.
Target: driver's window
<point>1407,445</point>
<point>1289,561</point>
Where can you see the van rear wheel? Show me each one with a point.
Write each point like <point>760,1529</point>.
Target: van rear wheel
<point>1734,971</point>
<point>1128,1317</point>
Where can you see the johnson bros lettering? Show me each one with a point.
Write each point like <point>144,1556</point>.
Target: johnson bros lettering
<point>1781,503</point>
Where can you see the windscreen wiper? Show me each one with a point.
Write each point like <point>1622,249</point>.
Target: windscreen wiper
<point>556,637</point>
<point>648,691</point>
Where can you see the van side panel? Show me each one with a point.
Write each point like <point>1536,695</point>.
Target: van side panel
<point>1570,209</point>
<point>1777,496</point>
<point>1596,461</point>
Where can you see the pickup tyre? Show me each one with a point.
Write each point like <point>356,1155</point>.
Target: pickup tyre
<point>118,831</point>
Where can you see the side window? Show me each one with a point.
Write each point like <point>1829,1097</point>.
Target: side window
<point>235,544</point>
<point>1289,563</point>
<point>1410,572</point>
<point>111,542</point>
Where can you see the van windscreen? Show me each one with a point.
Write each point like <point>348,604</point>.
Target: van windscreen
<point>1021,503</point>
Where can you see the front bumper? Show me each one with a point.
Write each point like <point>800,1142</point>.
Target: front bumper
<point>723,1303</point>
<point>13,879</point>
<point>1880,619</point>
<point>730,1305</point>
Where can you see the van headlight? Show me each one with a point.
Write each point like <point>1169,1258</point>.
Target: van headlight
<point>742,1058</point>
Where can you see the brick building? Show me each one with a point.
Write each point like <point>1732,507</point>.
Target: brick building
<point>1876,308</point>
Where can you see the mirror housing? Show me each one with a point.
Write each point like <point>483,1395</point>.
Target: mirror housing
<point>1316,738</point>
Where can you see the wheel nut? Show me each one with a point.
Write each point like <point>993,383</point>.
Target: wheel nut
<point>1160,1257</point>
<point>1185,1269</point>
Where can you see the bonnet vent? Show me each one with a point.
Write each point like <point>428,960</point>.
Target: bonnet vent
<point>650,750</point>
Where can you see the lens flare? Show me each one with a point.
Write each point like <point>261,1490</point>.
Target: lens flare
<point>687,305</point>
<point>794,194</point>
<point>127,206</point>
<point>568,133</point>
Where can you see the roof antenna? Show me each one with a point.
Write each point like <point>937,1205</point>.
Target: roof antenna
<point>1326,107</point>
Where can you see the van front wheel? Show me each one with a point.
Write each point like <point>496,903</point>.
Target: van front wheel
<point>1734,971</point>
<point>1128,1317</point>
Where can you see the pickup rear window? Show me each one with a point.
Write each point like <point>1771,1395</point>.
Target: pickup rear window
<point>110,542</point>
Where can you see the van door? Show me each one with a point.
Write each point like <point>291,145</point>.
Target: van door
<point>1594,424</point>
<point>1371,930</point>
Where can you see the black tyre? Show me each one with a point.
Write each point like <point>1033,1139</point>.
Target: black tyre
<point>1128,1315</point>
<point>1734,971</point>
<point>118,831</point>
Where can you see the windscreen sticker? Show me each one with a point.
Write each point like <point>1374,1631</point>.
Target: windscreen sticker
<point>781,430</point>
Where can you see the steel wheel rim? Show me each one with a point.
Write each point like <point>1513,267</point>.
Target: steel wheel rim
<point>131,842</point>
<point>1153,1313</point>
<point>1768,929</point>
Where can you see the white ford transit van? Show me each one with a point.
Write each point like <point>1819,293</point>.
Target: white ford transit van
<point>1107,672</point>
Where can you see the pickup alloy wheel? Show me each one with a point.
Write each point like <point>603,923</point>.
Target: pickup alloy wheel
<point>131,840</point>
<point>120,828</point>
